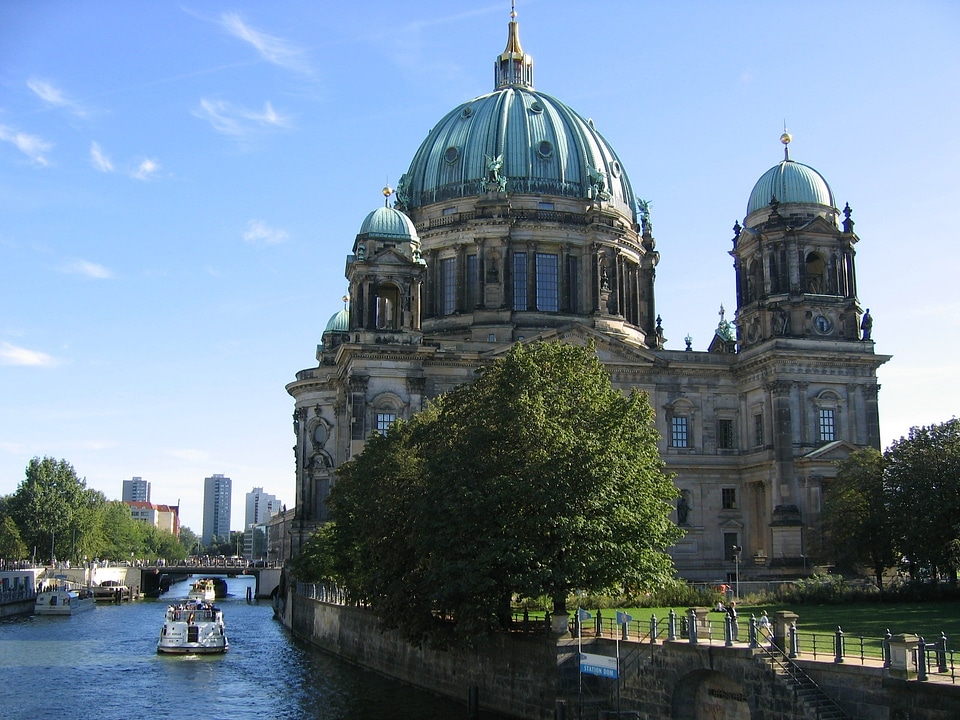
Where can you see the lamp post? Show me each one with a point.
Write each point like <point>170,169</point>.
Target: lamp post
<point>737,549</point>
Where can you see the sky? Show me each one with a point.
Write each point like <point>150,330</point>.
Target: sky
<point>180,184</point>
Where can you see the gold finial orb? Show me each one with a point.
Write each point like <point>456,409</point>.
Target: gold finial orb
<point>786,138</point>
<point>346,298</point>
<point>387,191</point>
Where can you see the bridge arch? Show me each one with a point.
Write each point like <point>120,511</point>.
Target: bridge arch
<point>709,695</point>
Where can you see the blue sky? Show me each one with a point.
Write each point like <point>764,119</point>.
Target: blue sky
<point>180,184</point>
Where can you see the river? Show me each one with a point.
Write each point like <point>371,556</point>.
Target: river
<point>103,664</point>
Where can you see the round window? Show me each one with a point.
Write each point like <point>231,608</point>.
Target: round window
<point>545,149</point>
<point>451,154</point>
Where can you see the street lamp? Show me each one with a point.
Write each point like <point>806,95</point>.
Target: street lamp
<point>737,549</point>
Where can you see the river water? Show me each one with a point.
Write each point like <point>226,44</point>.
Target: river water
<point>104,664</point>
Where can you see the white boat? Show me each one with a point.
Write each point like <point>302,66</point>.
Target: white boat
<point>61,598</point>
<point>203,590</point>
<point>193,628</point>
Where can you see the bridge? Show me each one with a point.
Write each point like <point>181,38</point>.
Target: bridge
<point>154,580</point>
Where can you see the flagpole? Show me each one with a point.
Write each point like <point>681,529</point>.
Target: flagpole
<point>580,658</point>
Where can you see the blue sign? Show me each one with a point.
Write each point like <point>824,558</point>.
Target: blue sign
<point>598,665</point>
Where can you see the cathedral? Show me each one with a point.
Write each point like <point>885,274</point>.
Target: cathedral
<point>516,222</point>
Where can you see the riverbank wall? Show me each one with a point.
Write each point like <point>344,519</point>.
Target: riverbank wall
<point>512,676</point>
<point>535,676</point>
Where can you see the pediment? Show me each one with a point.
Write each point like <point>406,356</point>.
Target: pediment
<point>835,451</point>
<point>389,256</point>
<point>610,350</point>
<point>820,226</point>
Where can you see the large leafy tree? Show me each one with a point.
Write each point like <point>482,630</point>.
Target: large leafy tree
<point>538,479</point>
<point>923,477</point>
<point>45,506</point>
<point>856,517</point>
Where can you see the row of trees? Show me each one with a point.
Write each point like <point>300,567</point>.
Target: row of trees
<point>537,480</point>
<point>53,514</point>
<point>901,507</point>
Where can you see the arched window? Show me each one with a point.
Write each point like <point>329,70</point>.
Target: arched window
<point>388,308</point>
<point>827,416</point>
<point>815,274</point>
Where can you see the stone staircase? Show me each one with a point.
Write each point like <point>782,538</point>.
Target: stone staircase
<point>818,704</point>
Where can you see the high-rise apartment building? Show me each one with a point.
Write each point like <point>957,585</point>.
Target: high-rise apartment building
<point>261,507</point>
<point>217,493</point>
<point>136,490</point>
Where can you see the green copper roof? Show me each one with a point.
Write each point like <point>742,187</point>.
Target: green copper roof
<point>389,224</point>
<point>515,140</point>
<point>790,182</point>
<point>544,146</point>
<point>340,322</point>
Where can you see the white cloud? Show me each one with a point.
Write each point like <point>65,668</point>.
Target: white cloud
<point>259,232</point>
<point>236,120</point>
<point>99,159</point>
<point>32,146</point>
<point>147,169</point>
<point>54,96</point>
<point>89,269</point>
<point>14,355</point>
<point>271,48</point>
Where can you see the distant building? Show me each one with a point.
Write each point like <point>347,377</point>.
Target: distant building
<point>217,493</point>
<point>163,517</point>
<point>136,490</point>
<point>261,507</point>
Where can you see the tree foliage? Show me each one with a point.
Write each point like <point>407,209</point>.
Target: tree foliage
<point>12,546</point>
<point>923,480</point>
<point>856,517</point>
<point>56,515</point>
<point>45,506</point>
<point>538,479</point>
<point>905,503</point>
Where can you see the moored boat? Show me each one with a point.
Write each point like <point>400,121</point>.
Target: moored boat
<point>61,598</point>
<point>203,590</point>
<point>110,591</point>
<point>193,628</point>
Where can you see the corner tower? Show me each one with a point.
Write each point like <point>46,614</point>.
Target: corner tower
<point>796,276</point>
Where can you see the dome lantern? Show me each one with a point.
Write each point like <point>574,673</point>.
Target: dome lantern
<point>513,66</point>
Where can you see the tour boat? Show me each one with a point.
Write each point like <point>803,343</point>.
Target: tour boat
<point>61,598</point>
<point>203,590</point>
<point>193,628</point>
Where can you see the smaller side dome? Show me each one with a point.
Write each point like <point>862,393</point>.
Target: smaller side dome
<point>340,322</point>
<point>388,223</point>
<point>335,333</point>
<point>790,182</point>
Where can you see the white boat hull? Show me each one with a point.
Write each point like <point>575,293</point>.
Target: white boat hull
<point>62,602</point>
<point>193,628</point>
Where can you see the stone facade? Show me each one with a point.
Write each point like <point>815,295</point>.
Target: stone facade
<point>446,280</point>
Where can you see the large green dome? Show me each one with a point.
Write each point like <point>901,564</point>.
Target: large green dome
<point>525,141</point>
